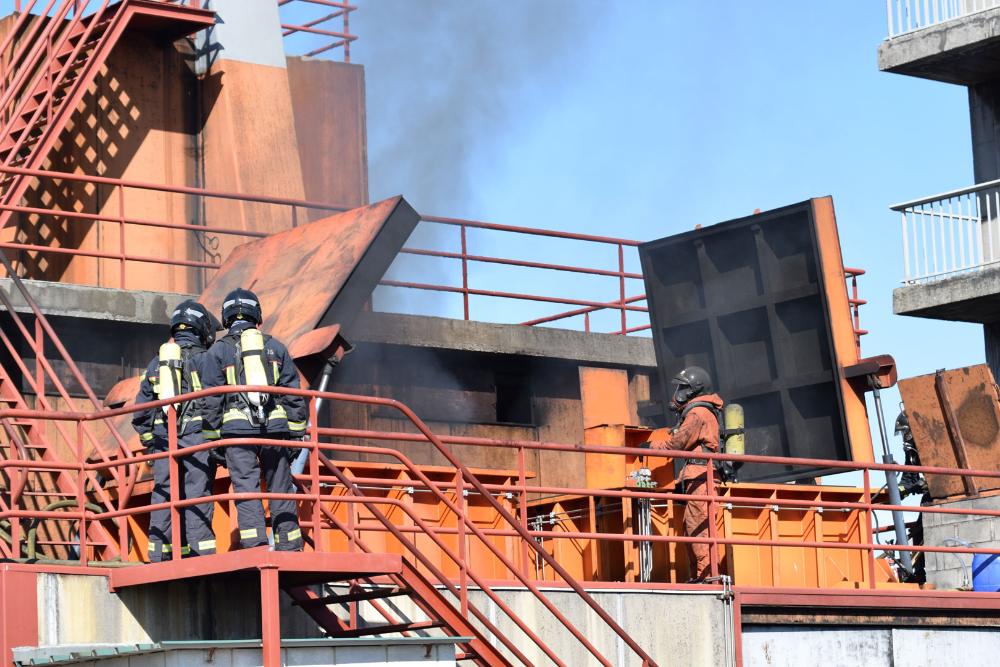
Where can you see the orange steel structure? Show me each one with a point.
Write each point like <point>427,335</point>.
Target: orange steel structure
<point>474,533</point>
<point>444,536</point>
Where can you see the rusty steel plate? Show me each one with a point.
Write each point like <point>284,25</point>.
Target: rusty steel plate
<point>973,435</point>
<point>319,274</point>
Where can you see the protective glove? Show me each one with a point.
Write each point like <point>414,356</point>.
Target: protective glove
<point>217,457</point>
<point>292,453</point>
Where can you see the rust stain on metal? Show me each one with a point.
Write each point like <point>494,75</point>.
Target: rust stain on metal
<point>954,431</point>
<point>965,424</point>
<point>320,273</point>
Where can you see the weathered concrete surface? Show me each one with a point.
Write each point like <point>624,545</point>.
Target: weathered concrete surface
<point>443,333</point>
<point>96,303</point>
<point>674,627</point>
<point>859,646</point>
<point>102,303</point>
<point>954,570</point>
<point>79,609</point>
<point>965,51</point>
<point>433,652</point>
<point>966,297</point>
<point>248,31</point>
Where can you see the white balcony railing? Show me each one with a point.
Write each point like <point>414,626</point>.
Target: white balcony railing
<point>907,15</point>
<point>954,232</point>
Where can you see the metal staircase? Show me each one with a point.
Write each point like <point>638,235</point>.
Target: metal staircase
<point>52,59</point>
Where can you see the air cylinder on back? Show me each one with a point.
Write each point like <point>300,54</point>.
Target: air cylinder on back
<point>170,372</point>
<point>252,344</point>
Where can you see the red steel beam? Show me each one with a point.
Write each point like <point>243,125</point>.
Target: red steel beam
<point>270,616</point>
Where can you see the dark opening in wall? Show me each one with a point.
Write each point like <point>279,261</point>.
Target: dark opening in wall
<point>513,398</point>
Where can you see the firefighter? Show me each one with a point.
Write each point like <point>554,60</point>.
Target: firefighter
<point>911,484</point>
<point>178,369</point>
<point>698,429</point>
<point>245,356</point>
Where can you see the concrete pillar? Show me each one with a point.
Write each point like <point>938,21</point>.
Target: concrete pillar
<point>984,114</point>
<point>248,31</point>
<point>991,338</point>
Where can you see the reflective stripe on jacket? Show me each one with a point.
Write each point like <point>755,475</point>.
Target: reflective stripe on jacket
<point>152,423</point>
<point>282,413</point>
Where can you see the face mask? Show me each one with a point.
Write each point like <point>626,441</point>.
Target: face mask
<point>682,394</point>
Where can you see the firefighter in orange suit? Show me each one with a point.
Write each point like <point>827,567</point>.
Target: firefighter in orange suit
<point>698,430</point>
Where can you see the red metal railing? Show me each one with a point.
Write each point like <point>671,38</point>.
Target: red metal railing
<point>324,479</point>
<point>313,496</point>
<point>614,277</point>
<point>584,308</point>
<point>855,302</point>
<point>315,18</point>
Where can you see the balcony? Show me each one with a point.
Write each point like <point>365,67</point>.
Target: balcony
<point>951,255</point>
<point>905,16</point>
<point>955,41</point>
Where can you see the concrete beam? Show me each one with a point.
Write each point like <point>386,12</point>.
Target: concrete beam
<point>96,303</point>
<point>966,297</point>
<point>109,304</point>
<point>963,51</point>
<point>515,339</point>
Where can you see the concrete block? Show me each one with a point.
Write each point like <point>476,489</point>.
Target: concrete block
<point>789,646</point>
<point>149,660</point>
<point>359,655</point>
<point>977,531</point>
<point>420,656</point>
<point>312,655</point>
<point>946,579</point>
<point>245,657</point>
<point>945,647</point>
<point>249,31</point>
<point>439,332</point>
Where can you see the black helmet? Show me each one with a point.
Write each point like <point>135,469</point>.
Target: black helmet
<point>690,382</point>
<point>192,315</point>
<point>241,304</point>
<point>903,425</point>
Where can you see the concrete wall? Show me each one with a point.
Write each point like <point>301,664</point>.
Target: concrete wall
<point>79,609</point>
<point>860,646</point>
<point>948,570</point>
<point>372,653</point>
<point>674,627</point>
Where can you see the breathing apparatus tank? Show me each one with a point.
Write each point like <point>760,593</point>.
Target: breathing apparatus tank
<point>254,372</point>
<point>734,436</point>
<point>171,367</point>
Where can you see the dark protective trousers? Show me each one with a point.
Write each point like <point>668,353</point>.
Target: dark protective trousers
<point>196,477</point>
<point>245,465</point>
<point>696,525</point>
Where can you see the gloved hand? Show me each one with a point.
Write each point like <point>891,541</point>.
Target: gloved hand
<point>292,453</point>
<point>645,445</point>
<point>217,457</point>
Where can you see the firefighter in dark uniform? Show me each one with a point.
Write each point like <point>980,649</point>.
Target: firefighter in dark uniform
<point>193,330</point>
<point>232,361</point>
<point>697,430</point>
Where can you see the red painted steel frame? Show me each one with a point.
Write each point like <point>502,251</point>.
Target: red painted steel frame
<point>315,26</point>
<point>314,482</point>
<point>582,307</point>
<point>18,610</point>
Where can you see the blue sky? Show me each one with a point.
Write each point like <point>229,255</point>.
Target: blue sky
<point>651,117</point>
